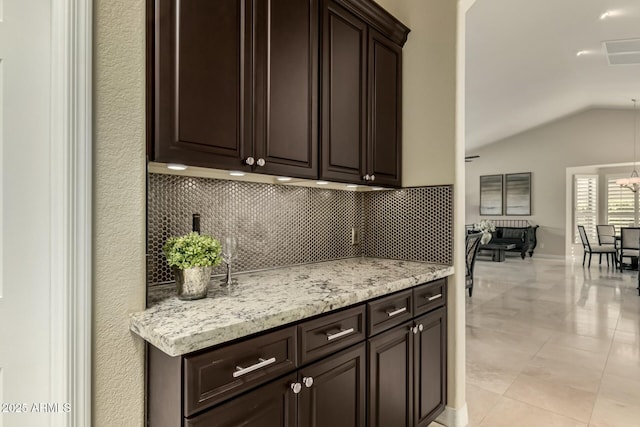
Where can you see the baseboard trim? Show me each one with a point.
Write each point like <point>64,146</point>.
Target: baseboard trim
<point>454,417</point>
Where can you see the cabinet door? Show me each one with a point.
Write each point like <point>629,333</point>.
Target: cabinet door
<point>391,378</point>
<point>430,359</point>
<point>272,405</point>
<point>344,93</point>
<point>337,396</point>
<point>202,85</point>
<point>385,79</point>
<point>286,87</point>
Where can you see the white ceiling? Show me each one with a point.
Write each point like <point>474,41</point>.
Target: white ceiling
<point>522,69</point>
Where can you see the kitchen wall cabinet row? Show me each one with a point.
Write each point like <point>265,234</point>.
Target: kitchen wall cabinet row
<point>380,363</point>
<point>302,88</point>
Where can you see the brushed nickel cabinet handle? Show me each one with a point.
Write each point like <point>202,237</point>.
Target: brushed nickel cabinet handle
<point>420,327</point>
<point>396,312</point>
<point>435,297</point>
<point>372,177</point>
<point>296,387</point>
<point>250,161</point>
<point>240,371</point>
<point>414,330</point>
<point>261,162</point>
<point>342,333</point>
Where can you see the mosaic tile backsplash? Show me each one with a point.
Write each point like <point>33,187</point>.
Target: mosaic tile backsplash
<point>414,224</point>
<point>278,225</point>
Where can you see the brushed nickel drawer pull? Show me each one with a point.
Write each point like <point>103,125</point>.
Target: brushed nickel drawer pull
<point>261,364</point>
<point>396,312</point>
<point>342,333</point>
<point>434,297</point>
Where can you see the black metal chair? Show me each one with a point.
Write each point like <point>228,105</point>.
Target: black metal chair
<point>595,249</point>
<point>472,246</point>
<point>629,244</point>
<point>606,236</point>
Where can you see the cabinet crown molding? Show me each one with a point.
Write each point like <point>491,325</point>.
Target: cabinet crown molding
<point>379,18</point>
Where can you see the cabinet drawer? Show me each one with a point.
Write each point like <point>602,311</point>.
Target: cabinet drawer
<point>429,296</point>
<point>216,375</point>
<point>389,311</point>
<point>331,333</point>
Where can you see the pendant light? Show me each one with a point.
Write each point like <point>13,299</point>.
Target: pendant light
<point>633,182</point>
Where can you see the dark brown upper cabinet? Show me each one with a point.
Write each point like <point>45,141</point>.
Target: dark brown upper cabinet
<point>235,84</point>
<point>361,93</point>
<point>286,87</point>
<point>344,89</point>
<point>385,93</point>
<point>202,83</point>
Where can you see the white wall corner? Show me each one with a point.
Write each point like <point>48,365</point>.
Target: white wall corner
<point>454,417</point>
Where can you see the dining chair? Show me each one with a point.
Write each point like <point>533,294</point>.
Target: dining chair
<point>629,243</point>
<point>606,236</point>
<point>472,246</point>
<point>595,249</point>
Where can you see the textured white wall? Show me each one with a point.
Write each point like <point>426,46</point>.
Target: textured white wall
<point>592,137</point>
<point>119,211</point>
<point>429,90</point>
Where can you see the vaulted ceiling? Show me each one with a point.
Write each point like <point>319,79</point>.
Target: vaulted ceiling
<point>523,67</point>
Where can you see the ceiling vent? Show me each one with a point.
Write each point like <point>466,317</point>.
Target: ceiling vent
<point>622,52</point>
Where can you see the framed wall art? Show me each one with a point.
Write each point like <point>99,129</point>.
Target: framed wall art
<point>518,193</point>
<point>491,195</point>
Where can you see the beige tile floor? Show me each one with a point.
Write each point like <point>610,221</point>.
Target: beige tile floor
<point>552,344</point>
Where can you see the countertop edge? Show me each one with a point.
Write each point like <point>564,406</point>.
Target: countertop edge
<point>178,346</point>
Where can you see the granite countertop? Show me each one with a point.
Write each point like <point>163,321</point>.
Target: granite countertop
<point>267,299</point>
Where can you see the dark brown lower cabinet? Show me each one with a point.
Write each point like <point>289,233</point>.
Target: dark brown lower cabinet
<point>430,356</point>
<point>331,393</point>
<point>338,376</point>
<point>391,378</point>
<point>407,372</point>
<point>272,405</point>
<point>337,397</point>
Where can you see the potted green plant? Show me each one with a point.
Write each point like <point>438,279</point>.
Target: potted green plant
<point>192,257</point>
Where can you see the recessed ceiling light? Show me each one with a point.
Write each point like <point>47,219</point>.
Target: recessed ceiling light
<point>582,52</point>
<point>284,178</point>
<point>176,167</point>
<point>352,186</point>
<point>605,15</point>
<point>322,182</point>
<point>237,173</point>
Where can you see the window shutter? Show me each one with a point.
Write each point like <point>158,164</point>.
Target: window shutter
<point>620,204</point>
<point>585,206</point>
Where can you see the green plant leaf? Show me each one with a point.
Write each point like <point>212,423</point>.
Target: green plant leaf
<point>192,250</point>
